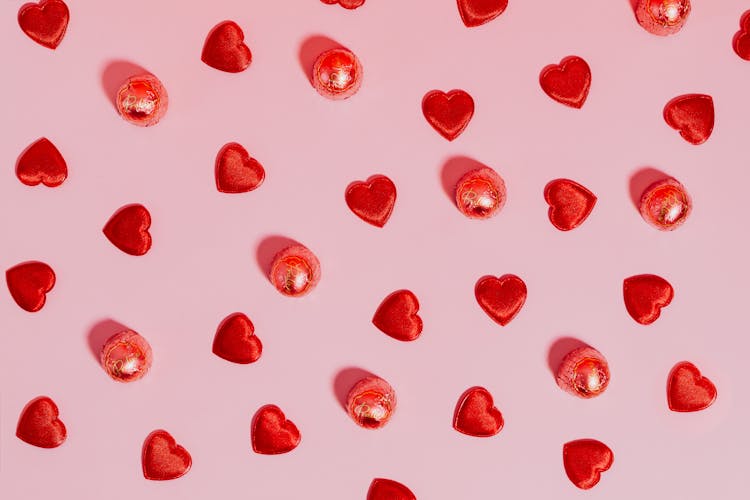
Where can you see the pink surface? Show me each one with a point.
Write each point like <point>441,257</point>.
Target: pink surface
<point>210,249</point>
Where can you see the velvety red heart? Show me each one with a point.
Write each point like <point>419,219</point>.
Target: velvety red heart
<point>688,390</point>
<point>372,200</point>
<point>645,295</point>
<point>236,341</point>
<point>387,489</point>
<point>585,460</point>
<point>42,163</point>
<point>163,459</point>
<point>397,316</point>
<point>692,115</point>
<point>347,4</point>
<point>45,22</point>
<point>476,414</point>
<point>29,283</point>
<point>272,433</point>
<point>448,113</point>
<point>741,42</point>
<point>236,171</point>
<point>128,229</point>
<point>225,48</point>
<point>568,82</point>
<point>40,425</point>
<point>478,12</point>
<point>569,203</point>
<point>501,298</point>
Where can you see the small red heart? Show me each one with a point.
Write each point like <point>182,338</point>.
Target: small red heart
<point>347,4</point>
<point>501,298</point>
<point>128,229</point>
<point>585,460</point>
<point>236,341</point>
<point>236,171</point>
<point>373,200</point>
<point>40,425</point>
<point>29,283</point>
<point>42,163</point>
<point>569,203</point>
<point>688,390</point>
<point>397,316</point>
<point>225,48</point>
<point>476,414</point>
<point>645,295</point>
<point>387,489</point>
<point>567,82</point>
<point>272,433</point>
<point>741,42</point>
<point>45,22</point>
<point>449,113</point>
<point>477,12</point>
<point>692,115</point>
<point>163,459</point>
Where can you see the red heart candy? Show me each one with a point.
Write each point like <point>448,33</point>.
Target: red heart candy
<point>39,424</point>
<point>476,414</point>
<point>585,460</point>
<point>449,113</point>
<point>29,283</point>
<point>128,229</point>
<point>236,171</point>
<point>501,298</point>
<point>236,341</point>
<point>387,489</point>
<point>567,82</point>
<point>692,115</point>
<point>645,295</point>
<point>397,316</point>
<point>45,22</point>
<point>687,390</point>
<point>477,12</point>
<point>272,433</point>
<point>741,41</point>
<point>163,458</point>
<point>373,200</point>
<point>569,203</point>
<point>347,4</point>
<point>42,163</point>
<point>225,48</point>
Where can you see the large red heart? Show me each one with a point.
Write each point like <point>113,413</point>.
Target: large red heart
<point>347,4</point>
<point>128,229</point>
<point>397,316</point>
<point>501,298</point>
<point>45,22</point>
<point>449,113</point>
<point>567,82</point>
<point>476,414</point>
<point>645,295</point>
<point>387,489</point>
<point>741,42</point>
<point>225,48</point>
<point>688,390</point>
<point>29,283</point>
<point>236,171</point>
<point>40,425</point>
<point>477,12</point>
<point>163,459</point>
<point>272,433</point>
<point>372,200</point>
<point>42,163</point>
<point>692,115</point>
<point>585,460</point>
<point>236,341</point>
<point>569,203</point>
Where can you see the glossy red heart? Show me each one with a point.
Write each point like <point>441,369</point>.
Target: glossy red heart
<point>569,203</point>
<point>397,316</point>
<point>448,113</point>
<point>236,341</point>
<point>585,460</point>
<point>501,298</point>
<point>163,459</point>
<point>45,22</point>
<point>128,229</point>
<point>476,414</point>
<point>478,12</point>
<point>236,171</point>
<point>568,82</point>
<point>42,163</point>
<point>29,283</point>
<point>347,4</point>
<point>225,48</point>
<point>40,425</point>
<point>387,489</point>
<point>272,433</point>
<point>645,295</point>
<point>372,200</point>
<point>692,115</point>
<point>688,390</point>
<point>741,42</point>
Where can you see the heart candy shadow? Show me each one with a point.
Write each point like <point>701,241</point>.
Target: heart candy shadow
<point>100,333</point>
<point>345,379</point>
<point>311,48</point>
<point>114,75</point>
<point>559,349</point>
<point>642,179</point>
<point>452,171</point>
<point>267,250</point>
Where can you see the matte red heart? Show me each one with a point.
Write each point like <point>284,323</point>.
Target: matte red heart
<point>372,200</point>
<point>741,42</point>
<point>128,229</point>
<point>40,425</point>
<point>569,203</point>
<point>645,295</point>
<point>692,115</point>
<point>476,414</point>
<point>236,341</point>
<point>347,4</point>
<point>568,82</point>
<point>163,459</point>
<point>387,489</point>
<point>236,171</point>
<point>397,316</point>
<point>478,12</point>
<point>272,433</point>
<point>42,163</point>
<point>501,298</point>
<point>225,48</point>
<point>449,113</point>
<point>45,22</point>
<point>29,283</point>
<point>688,390</point>
<point>585,460</point>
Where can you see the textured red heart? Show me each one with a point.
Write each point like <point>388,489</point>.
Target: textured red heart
<point>568,82</point>
<point>645,295</point>
<point>272,433</point>
<point>42,163</point>
<point>45,22</point>
<point>40,425</point>
<point>688,390</point>
<point>128,229</point>
<point>397,316</point>
<point>347,4</point>
<point>387,489</point>
<point>585,460</point>
<point>236,171</point>
<point>741,42</point>
<point>449,113</point>
<point>29,283</point>
<point>225,48</point>
<point>163,458</point>
<point>476,414</point>
<point>372,200</point>
<point>569,203</point>
<point>501,298</point>
<point>692,115</point>
<point>478,12</point>
<point>236,341</point>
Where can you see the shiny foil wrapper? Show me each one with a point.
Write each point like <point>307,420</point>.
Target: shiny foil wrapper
<point>142,100</point>
<point>662,17</point>
<point>371,402</point>
<point>584,373</point>
<point>337,74</point>
<point>480,193</point>
<point>666,205</point>
<point>295,271</point>
<point>126,356</point>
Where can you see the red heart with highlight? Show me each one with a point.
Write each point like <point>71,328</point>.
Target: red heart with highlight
<point>29,283</point>
<point>568,82</point>
<point>373,200</point>
<point>501,298</point>
<point>236,341</point>
<point>347,4</point>
<point>225,48</point>
<point>585,460</point>
<point>272,433</point>
<point>741,42</point>
<point>40,425</point>
<point>692,115</point>
<point>163,459</point>
<point>477,12</point>
<point>387,489</point>
<point>569,203</point>
<point>448,113</point>
<point>42,163</point>
<point>645,295</point>
<point>397,316</point>
<point>128,229</point>
<point>236,171</point>
<point>476,414</point>
<point>45,22</point>
<point>688,390</point>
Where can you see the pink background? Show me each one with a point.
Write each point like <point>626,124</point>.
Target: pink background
<point>210,248</point>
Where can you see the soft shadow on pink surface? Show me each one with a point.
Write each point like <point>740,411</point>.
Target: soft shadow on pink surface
<point>311,48</point>
<point>345,380</point>
<point>642,179</point>
<point>452,171</point>
<point>268,248</point>
<point>559,349</point>
<point>633,4</point>
<point>114,75</point>
<point>100,333</point>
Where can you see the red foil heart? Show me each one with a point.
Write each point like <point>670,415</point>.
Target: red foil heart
<point>570,204</point>
<point>236,171</point>
<point>662,17</point>
<point>42,163</point>
<point>372,200</point>
<point>568,82</point>
<point>126,356</point>
<point>688,390</point>
<point>692,115</point>
<point>741,42</point>
<point>387,489</point>
<point>665,205</point>
<point>501,298</point>
<point>583,372</point>
<point>371,402</point>
<point>478,12</point>
<point>448,113</point>
<point>585,460</point>
<point>476,414</point>
<point>295,271</point>
<point>347,4</point>
<point>40,425</point>
<point>397,316</point>
<point>645,295</point>
<point>236,341</point>
<point>128,229</point>
<point>163,459</point>
<point>45,22</point>
<point>29,283</point>
<point>225,48</point>
<point>142,100</point>
<point>272,433</point>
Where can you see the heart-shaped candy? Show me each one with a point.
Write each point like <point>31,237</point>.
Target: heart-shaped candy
<point>347,4</point>
<point>372,200</point>
<point>585,460</point>
<point>478,12</point>
<point>128,229</point>
<point>397,316</point>
<point>29,283</point>
<point>236,171</point>
<point>501,298</point>
<point>476,414</point>
<point>42,163</point>
<point>387,489</point>
<point>40,425</point>
<point>569,203</point>
<point>448,113</point>
<point>236,341</point>
<point>225,48</point>
<point>568,82</point>
<point>645,295</point>
<point>272,433</point>
<point>741,42</point>
<point>163,458</point>
<point>688,390</point>
<point>692,115</point>
<point>45,22</point>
